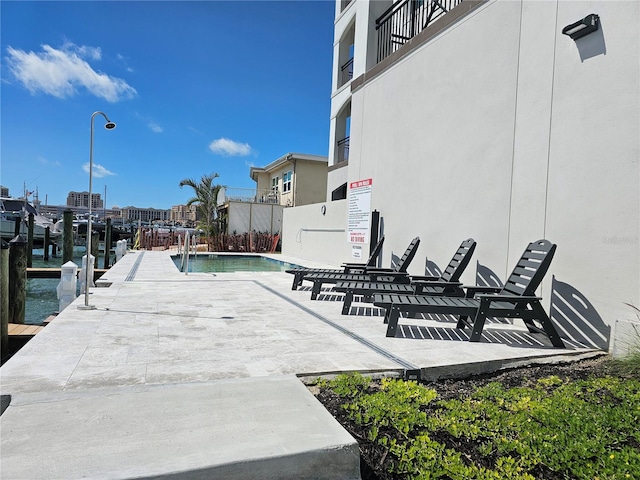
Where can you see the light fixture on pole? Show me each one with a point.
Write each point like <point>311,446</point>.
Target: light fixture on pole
<point>581,28</point>
<point>109,126</point>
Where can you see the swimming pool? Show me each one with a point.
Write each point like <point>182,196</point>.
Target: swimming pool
<point>211,263</point>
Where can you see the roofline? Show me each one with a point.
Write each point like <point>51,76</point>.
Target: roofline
<point>289,157</point>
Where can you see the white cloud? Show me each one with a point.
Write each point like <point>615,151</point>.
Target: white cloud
<point>154,127</point>
<point>230,148</point>
<point>98,170</point>
<point>63,72</point>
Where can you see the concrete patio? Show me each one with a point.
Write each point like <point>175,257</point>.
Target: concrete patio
<point>198,376</point>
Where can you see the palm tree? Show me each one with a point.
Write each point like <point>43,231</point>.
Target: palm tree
<point>206,200</point>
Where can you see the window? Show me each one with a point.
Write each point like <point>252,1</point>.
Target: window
<point>286,181</point>
<point>339,193</point>
<point>274,184</point>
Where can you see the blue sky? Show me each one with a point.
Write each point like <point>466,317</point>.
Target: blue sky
<point>194,88</point>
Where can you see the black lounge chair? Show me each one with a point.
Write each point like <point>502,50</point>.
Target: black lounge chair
<point>396,274</point>
<point>446,284</point>
<point>515,300</point>
<point>299,272</point>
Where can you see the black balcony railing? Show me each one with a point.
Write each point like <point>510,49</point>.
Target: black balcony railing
<point>343,150</point>
<point>346,72</point>
<point>405,19</point>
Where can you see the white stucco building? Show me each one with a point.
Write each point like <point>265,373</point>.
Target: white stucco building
<point>491,123</point>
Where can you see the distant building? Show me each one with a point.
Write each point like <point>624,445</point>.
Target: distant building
<point>291,180</point>
<point>294,179</point>
<point>81,199</point>
<point>145,215</point>
<point>184,214</point>
<point>4,191</point>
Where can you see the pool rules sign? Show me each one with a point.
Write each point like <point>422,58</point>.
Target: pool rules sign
<point>359,211</point>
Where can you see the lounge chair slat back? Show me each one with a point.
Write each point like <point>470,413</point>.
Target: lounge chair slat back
<point>530,269</point>
<point>373,258</point>
<point>459,262</point>
<point>404,262</point>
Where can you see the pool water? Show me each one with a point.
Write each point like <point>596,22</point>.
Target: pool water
<point>207,263</point>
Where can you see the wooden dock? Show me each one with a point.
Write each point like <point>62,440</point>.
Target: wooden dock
<point>25,331</point>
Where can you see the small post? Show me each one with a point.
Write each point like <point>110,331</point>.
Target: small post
<point>47,241</point>
<point>95,241</point>
<point>17,279</point>
<point>30,241</point>
<point>66,289</point>
<point>4,295</point>
<point>67,246</point>
<point>17,226</point>
<point>107,243</point>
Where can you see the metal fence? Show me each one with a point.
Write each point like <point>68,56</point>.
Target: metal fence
<point>249,195</point>
<point>405,19</point>
<point>346,72</point>
<point>343,150</point>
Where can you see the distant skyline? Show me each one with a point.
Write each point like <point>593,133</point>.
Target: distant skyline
<point>194,87</point>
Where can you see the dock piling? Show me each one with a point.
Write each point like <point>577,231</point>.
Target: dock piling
<point>47,241</point>
<point>107,243</point>
<point>67,246</point>
<point>17,279</point>
<point>30,240</point>
<point>4,295</point>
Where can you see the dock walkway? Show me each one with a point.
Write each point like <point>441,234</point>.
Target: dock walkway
<point>198,376</point>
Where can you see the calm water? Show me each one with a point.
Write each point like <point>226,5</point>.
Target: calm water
<point>42,299</point>
<point>234,263</point>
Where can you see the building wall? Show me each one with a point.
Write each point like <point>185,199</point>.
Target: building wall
<point>258,217</point>
<point>503,129</point>
<point>310,182</point>
<point>307,234</point>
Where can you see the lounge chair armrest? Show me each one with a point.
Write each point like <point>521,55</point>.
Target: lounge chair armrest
<point>509,298</point>
<point>395,275</point>
<point>428,283</point>
<point>379,269</point>
<point>472,290</point>
<point>354,265</point>
<point>424,277</point>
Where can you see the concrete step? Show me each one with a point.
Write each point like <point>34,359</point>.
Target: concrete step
<point>258,428</point>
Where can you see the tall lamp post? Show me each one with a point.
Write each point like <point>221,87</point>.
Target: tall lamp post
<point>109,126</point>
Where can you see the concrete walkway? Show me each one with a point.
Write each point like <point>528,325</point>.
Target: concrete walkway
<point>197,376</point>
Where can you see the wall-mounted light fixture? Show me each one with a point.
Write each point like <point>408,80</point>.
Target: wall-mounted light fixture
<point>587,25</point>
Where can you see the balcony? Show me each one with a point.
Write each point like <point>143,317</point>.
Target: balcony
<point>248,195</point>
<point>406,19</point>
<point>346,72</point>
<point>342,155</point>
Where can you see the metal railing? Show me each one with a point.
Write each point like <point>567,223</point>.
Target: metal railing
<point>343,150</point>
<point>346,72</point>
<point>249,195</point>
<point>405,19</point>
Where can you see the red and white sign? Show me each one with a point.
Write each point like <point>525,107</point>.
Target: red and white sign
<point>359,211</point>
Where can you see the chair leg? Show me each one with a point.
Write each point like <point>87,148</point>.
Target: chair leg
<point>547,325</point>
<point>317,286</point>
<point>478,322</point>
<point>296,281</point>
<point>346,306</point>
<point>393,314</point>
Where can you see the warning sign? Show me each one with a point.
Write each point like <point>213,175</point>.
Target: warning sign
<point>359,211</point>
